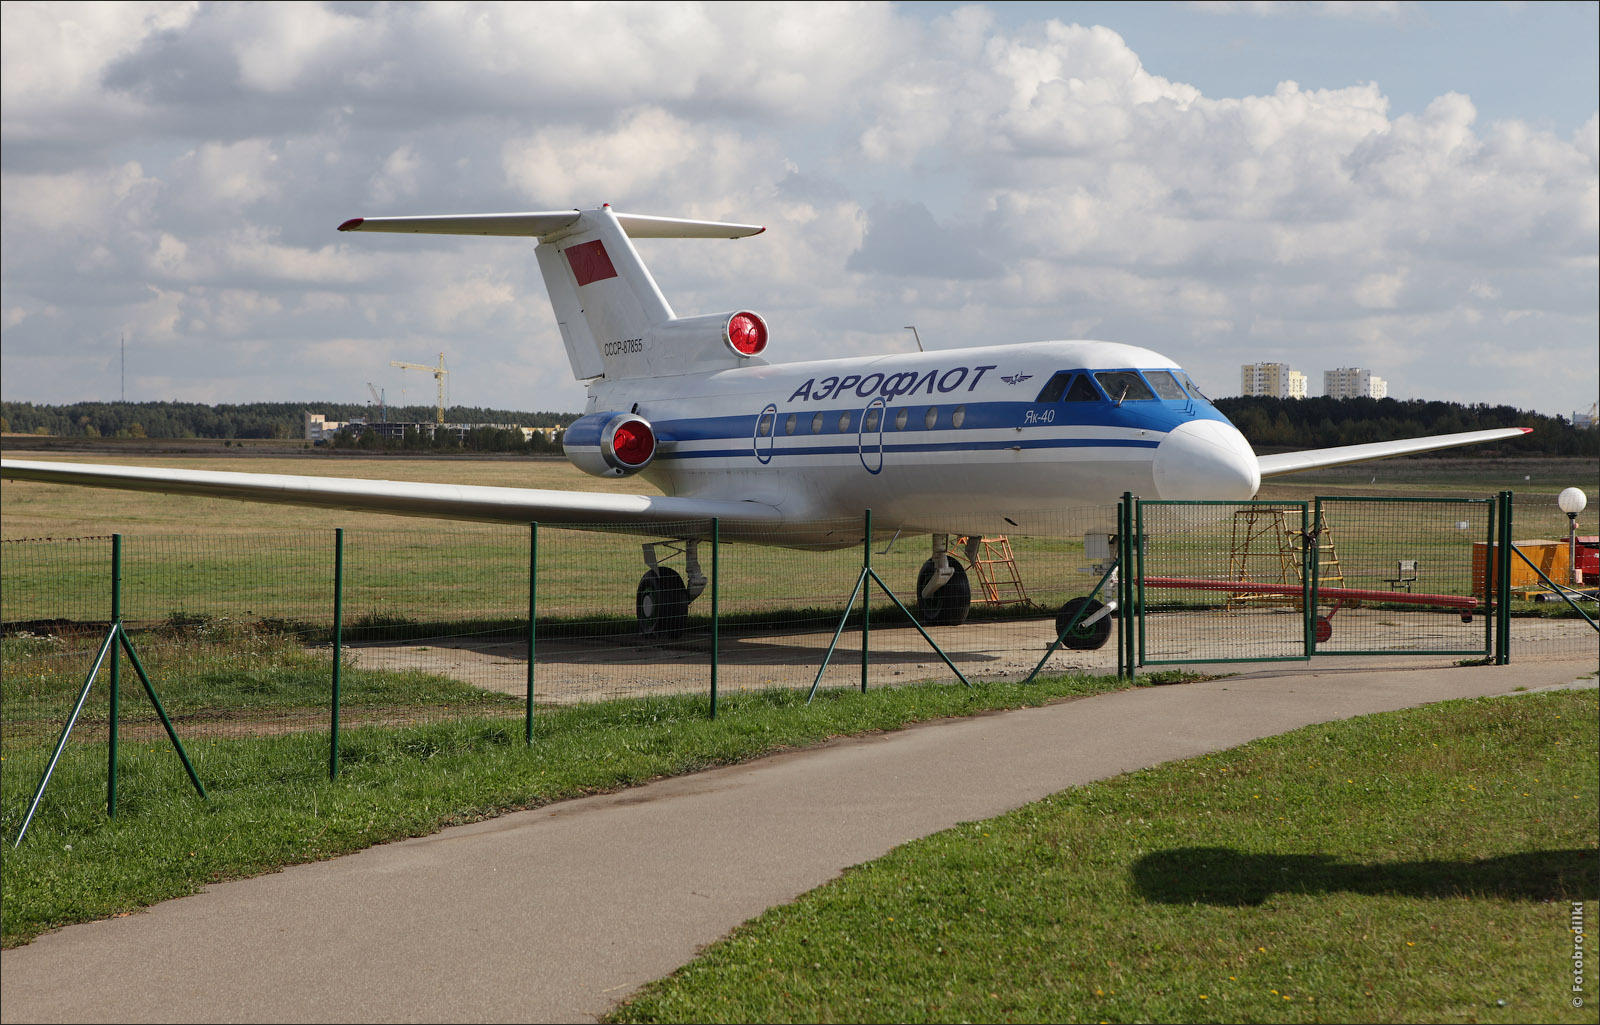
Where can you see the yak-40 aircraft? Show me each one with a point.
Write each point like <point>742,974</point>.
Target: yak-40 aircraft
<point>956,442</point>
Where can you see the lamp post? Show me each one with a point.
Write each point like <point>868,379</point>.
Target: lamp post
<point>1572,501</point>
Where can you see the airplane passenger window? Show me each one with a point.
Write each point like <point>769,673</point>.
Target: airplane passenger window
<point>931,418</point>
<point>900,419</point>
<point>1055,387</point>
<point>1165,385</point>
<point>871,423</point>
<point>1082,390</point>
<point>764,425</point>
<point>844,423</point>
<point>816,424</point>
<point>1194,389</point>
<point>788,424</point>
<point>958,417</point>
<point>1124,386</point>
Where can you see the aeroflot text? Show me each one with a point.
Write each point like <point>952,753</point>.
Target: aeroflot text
<point>890,386</point>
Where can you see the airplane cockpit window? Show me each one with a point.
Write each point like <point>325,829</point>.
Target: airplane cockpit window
<point>1194,389</point>
<point>1055,387</point>
<point>1082,391</point>
<point>1165,385</point>
<point>1124,386</point>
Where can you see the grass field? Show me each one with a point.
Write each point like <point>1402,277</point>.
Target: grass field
<point>1411,866</point>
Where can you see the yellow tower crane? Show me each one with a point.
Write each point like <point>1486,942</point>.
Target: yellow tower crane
<point>438,373</point>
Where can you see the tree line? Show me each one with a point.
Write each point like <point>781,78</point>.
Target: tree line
<point>1273,423</point>
<point>285,420</point>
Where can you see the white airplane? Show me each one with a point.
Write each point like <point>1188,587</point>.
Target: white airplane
<point>956,442</point>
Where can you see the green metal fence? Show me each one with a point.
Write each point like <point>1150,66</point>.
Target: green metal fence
<point>286,646</point>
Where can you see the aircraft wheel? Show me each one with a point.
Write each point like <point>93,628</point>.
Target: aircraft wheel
<point>950,604</point>
<point>1083,638</point>
<point>660,604</point>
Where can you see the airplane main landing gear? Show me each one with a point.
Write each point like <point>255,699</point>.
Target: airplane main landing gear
<point>944,595</point>
<point>661,603</point>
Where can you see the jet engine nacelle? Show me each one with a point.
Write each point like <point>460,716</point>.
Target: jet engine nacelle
<point>610,444</point>
<point>687,344</point>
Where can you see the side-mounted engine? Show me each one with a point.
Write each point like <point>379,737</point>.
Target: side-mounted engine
<point>610,444</point>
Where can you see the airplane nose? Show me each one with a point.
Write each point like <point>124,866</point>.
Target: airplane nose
<point>1206,460</point>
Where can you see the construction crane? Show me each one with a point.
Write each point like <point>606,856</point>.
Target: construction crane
<point>383,406</point>
<point>438,373</point>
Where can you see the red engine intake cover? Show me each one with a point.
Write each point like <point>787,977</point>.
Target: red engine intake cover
<point>633,443</point>
<point>746,333</point>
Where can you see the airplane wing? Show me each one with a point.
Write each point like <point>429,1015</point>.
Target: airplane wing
<point>407,498</point>
<point>1317,458</point>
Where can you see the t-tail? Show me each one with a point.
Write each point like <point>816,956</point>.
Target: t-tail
<point>614,320</point>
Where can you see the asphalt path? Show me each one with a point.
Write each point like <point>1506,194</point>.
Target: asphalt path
<point>559,913</point>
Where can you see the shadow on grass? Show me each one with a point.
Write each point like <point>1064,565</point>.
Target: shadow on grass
<point>1222,875</point>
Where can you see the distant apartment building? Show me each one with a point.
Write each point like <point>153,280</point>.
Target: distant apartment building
<point>1353,383</point>
<point>320,429</point>
<point>1275,379</point>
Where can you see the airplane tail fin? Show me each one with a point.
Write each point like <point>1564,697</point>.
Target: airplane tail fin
<point>614,321</point>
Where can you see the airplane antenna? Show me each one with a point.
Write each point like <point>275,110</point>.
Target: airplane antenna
<point>913,329</point>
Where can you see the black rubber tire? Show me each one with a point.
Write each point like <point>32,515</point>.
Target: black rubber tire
<point>950,604</point>
<point>1082,638</point>
<point>661,604</point>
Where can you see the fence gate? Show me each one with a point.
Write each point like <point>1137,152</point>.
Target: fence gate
<point>1222,582</point>
<point>1279,581</point>
<point>1411,576</point>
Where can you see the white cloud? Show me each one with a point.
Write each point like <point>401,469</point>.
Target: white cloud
<point>176,171</point>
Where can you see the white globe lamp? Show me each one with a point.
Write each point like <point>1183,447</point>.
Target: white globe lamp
<point>1572,501</point>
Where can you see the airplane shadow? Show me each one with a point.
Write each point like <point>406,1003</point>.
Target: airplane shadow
<point>1222,875</point>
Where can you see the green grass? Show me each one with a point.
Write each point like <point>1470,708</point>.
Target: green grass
<point>209,671</point>
<point>272,804</point>
<point>1413,866</point>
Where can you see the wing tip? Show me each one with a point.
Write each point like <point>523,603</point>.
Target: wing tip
<point>352,224</point>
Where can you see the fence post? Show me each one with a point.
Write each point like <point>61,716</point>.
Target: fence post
<point>116,674</point>
<point>866,600</point>
<point>716,551</point>
<point>1127,581</point>
<point>338,650</point>
<point>1503,584</point>
<point>533,613</point>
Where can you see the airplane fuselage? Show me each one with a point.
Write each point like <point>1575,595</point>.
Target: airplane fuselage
<point>979,440</point>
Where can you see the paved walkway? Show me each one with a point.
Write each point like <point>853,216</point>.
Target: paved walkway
<point>556,914</point>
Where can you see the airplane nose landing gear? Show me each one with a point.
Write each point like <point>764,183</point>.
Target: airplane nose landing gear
<point>1089,633</point>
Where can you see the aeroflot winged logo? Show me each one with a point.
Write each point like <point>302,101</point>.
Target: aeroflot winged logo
<point>590,263</point>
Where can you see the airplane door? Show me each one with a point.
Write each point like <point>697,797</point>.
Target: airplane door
<point>870,438</point>
<point>766,427</point>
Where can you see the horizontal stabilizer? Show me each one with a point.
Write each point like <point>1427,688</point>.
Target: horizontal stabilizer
<point>1317,458</point>
<point>540,224</point>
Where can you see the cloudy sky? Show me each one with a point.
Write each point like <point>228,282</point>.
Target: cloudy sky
<point>1406,188</point>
